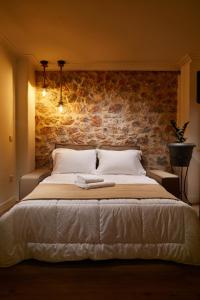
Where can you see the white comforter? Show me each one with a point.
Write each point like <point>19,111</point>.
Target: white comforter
<point>59,230</point>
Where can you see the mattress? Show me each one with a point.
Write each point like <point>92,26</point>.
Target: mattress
<point>63,230</point>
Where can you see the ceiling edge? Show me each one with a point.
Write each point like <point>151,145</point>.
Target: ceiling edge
<point>101,65</point>
<point>6,42</point>
<point>115,66</point>
<point>184,60</point>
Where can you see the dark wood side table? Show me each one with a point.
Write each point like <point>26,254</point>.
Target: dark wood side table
<point>180,156</point>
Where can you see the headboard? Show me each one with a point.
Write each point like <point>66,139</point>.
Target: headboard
<point>106,147</point>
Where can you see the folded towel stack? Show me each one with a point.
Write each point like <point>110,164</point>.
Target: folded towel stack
<point>93,185</point>
<point>91,182</point>
<point>88,179</point>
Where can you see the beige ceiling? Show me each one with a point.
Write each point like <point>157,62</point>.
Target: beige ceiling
<point>90,32</point>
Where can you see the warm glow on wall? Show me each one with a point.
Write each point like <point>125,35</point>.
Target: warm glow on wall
<point>44,64</point>
<point>31,124</point>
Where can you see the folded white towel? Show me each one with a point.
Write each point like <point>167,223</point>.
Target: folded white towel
<point>88,179</point>
<point>88,186</point>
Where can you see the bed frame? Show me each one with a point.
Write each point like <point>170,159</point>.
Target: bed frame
<point>29,181</point>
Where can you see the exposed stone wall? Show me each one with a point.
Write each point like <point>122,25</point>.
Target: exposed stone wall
<point>108,107</point>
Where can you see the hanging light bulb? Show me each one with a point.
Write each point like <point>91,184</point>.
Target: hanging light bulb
<point>61,63</point>
<point>44,64</point>
<point>60,107</point>
<point>44,92</point>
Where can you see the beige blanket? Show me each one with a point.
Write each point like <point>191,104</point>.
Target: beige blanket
<point>119,191</point>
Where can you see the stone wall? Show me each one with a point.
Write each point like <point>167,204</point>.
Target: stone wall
<point>108,107</point>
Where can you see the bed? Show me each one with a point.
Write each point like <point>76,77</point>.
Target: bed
<point>57,229</point>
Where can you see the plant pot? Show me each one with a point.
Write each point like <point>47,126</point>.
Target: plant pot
<point>180,154</point>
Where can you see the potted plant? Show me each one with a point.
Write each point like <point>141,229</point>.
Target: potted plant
<point>180,152</point>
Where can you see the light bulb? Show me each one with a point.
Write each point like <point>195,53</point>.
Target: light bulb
<point>60,108</point>
<point>44,92</point>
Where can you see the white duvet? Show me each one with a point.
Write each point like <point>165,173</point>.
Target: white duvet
<point>60,230</point>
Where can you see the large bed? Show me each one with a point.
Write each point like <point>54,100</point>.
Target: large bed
<point>56,229</point>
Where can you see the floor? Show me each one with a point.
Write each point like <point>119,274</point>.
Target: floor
<point>116,279</point>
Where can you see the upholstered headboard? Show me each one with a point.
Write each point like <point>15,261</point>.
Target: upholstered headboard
<point>106,147</point>
<point>75,147</point>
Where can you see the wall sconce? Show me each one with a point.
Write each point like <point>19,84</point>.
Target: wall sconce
<point>44,64</point>
<point>61,64</point>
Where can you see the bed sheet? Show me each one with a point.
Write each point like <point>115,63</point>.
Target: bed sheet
<point>61,230</point>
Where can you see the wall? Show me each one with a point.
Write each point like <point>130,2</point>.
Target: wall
<point>189,110</point>
<point>184,93</point>
<point>108,108</point>
<point>17,121</point>
<point>194,136</point>
<point>7,125</point>
<point>25,116</point>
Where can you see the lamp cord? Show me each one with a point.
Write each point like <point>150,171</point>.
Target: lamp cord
<point>61,84</point>
<point>44,77</point>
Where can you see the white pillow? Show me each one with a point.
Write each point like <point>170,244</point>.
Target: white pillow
<point>74,161</point>
<point>59,150</point>
<point>120,162</point>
